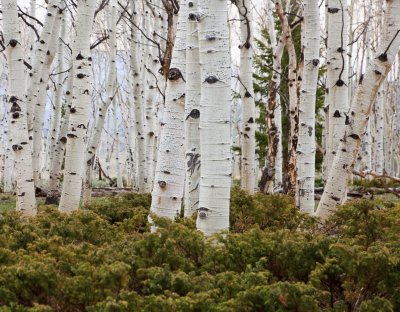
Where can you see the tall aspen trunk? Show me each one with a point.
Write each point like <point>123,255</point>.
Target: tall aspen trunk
<point>39,52</point>
<point>80,108</point>
<point>248,140</point>
<point>138,107</point>
<point>379,131</point>
<point>192,113</point>
<point>17,110</point>
<point>215,108</point>
<point>41,99</point>
<point>357,119</point>
<point>306,145</point>
<point>54,131</point>
<point>337,75</point>
<point>169,178</point>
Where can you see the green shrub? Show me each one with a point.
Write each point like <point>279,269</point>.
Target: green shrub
<point>104,258</point>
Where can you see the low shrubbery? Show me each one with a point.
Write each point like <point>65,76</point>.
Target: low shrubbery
<point>274,259</point>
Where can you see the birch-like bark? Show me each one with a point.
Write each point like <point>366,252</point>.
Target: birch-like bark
<point>248,140</point>
<point>80,108</point>
<point>39,52</point>
<point>54,131</point>
<point>306,145</point>
<point>170,170</point>
<point>41,99</point>
<point>138,107</point>
<point>357,119</point>
<point>337,75</point>
<point>192,113</point>
<point>17,111</point>
<point>215,108</point>
<point>379,131</point>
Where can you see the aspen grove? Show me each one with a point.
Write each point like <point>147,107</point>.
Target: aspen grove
<point>184,99</point>
<point>203,155</point>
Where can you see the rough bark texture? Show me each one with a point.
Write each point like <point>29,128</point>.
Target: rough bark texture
<point>248,139</point>
<point>80,108</point>
<point>192,113</point>
<point>306,145</point>
<point>17,111</point>
<point>215,108</point>
<point>169,178</point>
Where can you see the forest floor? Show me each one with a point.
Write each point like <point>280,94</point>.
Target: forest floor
<point>274,258</point>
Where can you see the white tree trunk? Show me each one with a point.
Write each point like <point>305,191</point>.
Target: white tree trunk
<point>306,145</point>
<point>379,131</point>
<point>215,110</point>
<point>192,113</point>
<point>80,108</point>
<point>356,122</point>
<point>41,99</point>
<point>54,131</point>
<point>39,52</point>
<point>337,75</point>
<point>17,111</point>
<point>170,170</point>
<point>248,140</point>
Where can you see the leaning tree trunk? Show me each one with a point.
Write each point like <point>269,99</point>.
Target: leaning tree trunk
<point>215,108</point>
<point>17,111</point>
<point>170,169</point>
<point>192,113</point>
<point>306,145</point>
<point>80,108</point>
<point>357,119</point>
<point>248,138</point>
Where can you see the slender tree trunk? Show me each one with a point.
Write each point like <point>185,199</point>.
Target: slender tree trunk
<point>306,145</point>
<point>192,113</point>
<point>357,119</point>
<point>169,179</point>
<point>41,99</point>
<point>337,75</point>
<point>17,111</point>
<point>248,140</point>
<point>80,108</point>
<point>215,108</point>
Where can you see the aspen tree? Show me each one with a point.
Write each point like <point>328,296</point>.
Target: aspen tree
<point>80,107</point>
<point>41,97</point>
<point>39,52</point>
<point>215,108</point>
<point>337,75</point>
<point>248,140</point>
<point>54,131</point>
<point>192,112</point>
<point>306,144</point>
<point>357,119</point>
<point>17,111</point>
<point>169,178</point>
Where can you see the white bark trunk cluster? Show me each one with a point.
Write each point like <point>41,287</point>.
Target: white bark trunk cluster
<point>358,115</point>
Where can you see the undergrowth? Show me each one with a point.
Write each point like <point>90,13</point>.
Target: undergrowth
<point>273,259</point>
